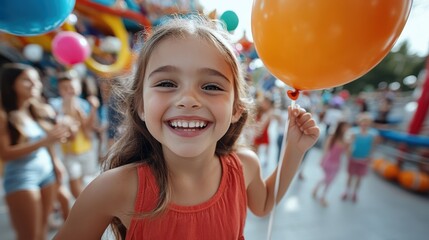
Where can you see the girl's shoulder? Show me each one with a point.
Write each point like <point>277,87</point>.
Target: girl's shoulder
<point>250,162</point>
<point>119,185</point>
<point>111,194</point>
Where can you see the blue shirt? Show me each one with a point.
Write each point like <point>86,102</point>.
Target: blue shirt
<point>38,162</point>
<point>362,145</point>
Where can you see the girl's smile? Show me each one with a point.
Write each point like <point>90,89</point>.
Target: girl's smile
<point>188,99</point>
<point>188,126</point>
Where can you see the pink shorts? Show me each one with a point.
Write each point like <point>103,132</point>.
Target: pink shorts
<point>358,167</point>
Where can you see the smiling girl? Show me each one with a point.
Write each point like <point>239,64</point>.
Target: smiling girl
<point>176,172</point>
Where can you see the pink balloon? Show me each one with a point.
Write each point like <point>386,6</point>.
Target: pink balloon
<point>70,48</point>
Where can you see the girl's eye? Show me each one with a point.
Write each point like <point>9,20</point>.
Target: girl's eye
<point>212,87</point>
<point>166,84</point>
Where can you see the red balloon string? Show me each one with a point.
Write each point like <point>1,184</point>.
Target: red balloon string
<point>293,94</point>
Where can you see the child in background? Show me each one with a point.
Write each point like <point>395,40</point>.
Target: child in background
<point>175,172</point>
<point>335,147</point>
<point>79,114</point>
<point>264,115</point>
<point>363,139</point>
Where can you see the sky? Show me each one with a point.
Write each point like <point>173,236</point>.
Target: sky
<point>416,30</point>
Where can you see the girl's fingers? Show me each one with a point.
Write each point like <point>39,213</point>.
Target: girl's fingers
<point>301,119</point>
<point>304,121</point>
<point>312,131</point>
<point>308,124</point>
<point>296,111</point>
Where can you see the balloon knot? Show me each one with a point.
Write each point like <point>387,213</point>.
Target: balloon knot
<point>293,94</point>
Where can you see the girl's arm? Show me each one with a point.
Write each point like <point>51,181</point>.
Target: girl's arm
<point>112,194</point>
<point>375,143</point>
<point>327,143</point>
<point>12,152</point>
<point>350,140</point>
<point>302,134</point>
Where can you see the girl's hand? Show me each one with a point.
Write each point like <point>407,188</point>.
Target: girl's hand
<point>60,132</point>
<point>93,101</point>
<point>302,130</point>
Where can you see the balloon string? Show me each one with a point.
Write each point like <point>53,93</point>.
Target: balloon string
<point>277,182</point>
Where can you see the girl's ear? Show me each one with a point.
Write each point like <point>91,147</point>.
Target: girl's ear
<point>140,111</point>
<point>236,115</point>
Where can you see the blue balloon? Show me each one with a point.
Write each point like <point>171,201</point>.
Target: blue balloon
<point>33,17</point>
<point>230,18</point>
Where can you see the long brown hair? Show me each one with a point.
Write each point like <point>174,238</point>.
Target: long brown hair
<point>338,134</point>
<point>9,74</point>
<point>136,144</point>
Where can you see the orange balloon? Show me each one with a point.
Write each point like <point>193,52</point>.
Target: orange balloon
<point>320,44</point>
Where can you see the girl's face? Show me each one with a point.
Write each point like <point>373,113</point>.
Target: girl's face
<point>28,85</point>
<point>188,96</point>
<point>69,88</point>
<point>365,123</point>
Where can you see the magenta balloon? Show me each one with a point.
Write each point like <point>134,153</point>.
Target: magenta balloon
<point>70,48</point>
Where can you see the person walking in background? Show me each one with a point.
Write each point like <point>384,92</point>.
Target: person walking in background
<point>362,141</point>
<point>176,171</point>
<point>334,149</point>
<point>79,155</point>
<point>334,113</point>
<point>264,116</point>
<point>32,171</point>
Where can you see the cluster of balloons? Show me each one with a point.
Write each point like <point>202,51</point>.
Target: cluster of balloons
<point>325,43</point>
<point>308,45</point>
<point>36,17</point>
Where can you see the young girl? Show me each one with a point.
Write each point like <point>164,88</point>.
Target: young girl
<point>175,172</point>
<point>31,169</point>
<point>264,115</point>
<point>335,147</point>
<point>363,140</point>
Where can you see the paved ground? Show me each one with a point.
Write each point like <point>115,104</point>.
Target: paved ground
<point>384,211</point>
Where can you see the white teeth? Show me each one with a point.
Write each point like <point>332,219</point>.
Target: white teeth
<point>188,124</point>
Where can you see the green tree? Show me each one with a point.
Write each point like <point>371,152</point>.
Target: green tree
<point>393,68</point>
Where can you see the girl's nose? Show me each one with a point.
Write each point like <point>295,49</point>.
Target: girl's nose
<point>189,99</point>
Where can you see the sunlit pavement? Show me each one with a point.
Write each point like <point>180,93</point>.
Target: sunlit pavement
<point>384,211</point>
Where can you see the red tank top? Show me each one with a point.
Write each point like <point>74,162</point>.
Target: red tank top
<point>221,217</point>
